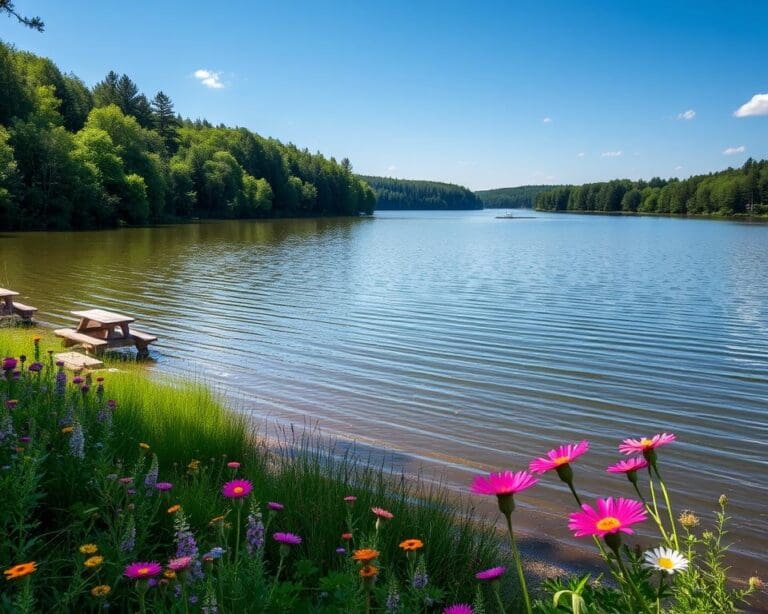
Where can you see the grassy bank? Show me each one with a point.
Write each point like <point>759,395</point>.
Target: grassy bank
<point>76,472</point>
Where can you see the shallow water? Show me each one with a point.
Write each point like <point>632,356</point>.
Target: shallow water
<point>464,341</point>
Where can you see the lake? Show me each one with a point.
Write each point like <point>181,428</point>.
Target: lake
<point>465,342</point>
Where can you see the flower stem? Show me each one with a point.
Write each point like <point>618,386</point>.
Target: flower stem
<point>277,578</point>
<point>669,506</point>
<point>573,491</point>
<point>237,535</point>
<point>628,580</point>
<point>519,565</point>
<point>497,593</point>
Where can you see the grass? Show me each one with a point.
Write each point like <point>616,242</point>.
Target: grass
<point>56,502</point>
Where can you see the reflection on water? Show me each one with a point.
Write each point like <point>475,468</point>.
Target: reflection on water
<point>465,341</point>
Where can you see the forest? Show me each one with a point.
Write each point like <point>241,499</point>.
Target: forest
<point>74,157</point>
<point>521,197</point>
<point>416,194</point>
<point>734,191</point>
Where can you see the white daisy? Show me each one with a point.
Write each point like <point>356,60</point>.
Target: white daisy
<point>665,559</point>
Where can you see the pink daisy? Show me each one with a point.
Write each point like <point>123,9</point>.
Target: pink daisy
<point>290,539</point>
<point>558,457</point>
<point>237,489</point>
<point>459,608</point>
<point>506,483</point>
<point>635,446</point>
<point>491,574</point>
<point>630,464</point>
<point>612,516</point>
<point>350,498</point>
<point>382,513</point>
<point>233,465</point>
<point>179,564</point>
<point>141,570</point>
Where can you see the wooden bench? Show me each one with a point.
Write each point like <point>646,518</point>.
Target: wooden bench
<point>25,312</point>
<point>142,340</point>
<point>71,337</point>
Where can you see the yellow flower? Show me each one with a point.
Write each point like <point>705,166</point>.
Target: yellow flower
<point>170,574</point>
<point>688,519</point>
<point>194,465</point>
<point>19,571</point>
<point>144,446</point>
<point>102,590</point>
<point>89,549</point>
<point>94,561</point>
<point>68,429</point>
<point>174,508</point>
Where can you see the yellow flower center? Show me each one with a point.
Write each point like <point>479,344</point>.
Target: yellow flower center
<point>561,460</point>
<point>665,563</point>
<point>645,442</point>
<point>143,571</point>
<point>238,489</point>
<point>609,523</point>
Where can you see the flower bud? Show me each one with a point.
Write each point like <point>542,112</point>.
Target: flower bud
<point>756,583</point>
<point>723,500</point>
<point>506,504</point>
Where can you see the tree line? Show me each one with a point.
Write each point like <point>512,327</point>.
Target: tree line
<point>734,191</point>
<point>417,194</point>
<point>521,197</point>
<point>78,157</point>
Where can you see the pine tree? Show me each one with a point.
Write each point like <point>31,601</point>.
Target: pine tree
<point>165,121</point>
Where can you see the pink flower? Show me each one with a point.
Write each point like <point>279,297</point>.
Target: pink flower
<point>9,364</point>
<point>612,516</point>
<point>490,574</point>
<point>630,464</point>
<point>163,486</point>
<point>126,480</point>
<point>634,446</point>
<point>237,489</point>
<point>140,570</point>
<point>382,513</point>
<point>558,457</point>
<point>350,499</point>
<point>290,539</point>
<point>459,608</point>
<point>233,465</point>
<point>275,506</point>
<point>506,483</point>
<point>179,564</point>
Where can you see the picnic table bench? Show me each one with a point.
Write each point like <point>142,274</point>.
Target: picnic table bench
<point>9,306</point>
<point>100,330</point>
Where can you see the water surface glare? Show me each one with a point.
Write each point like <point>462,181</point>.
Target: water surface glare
<point>467,342</point>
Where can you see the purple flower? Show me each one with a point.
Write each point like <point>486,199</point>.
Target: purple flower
<point>25,439</point>
<point>341,550</point>
<point>36,367</point>
<point>61,381</point>
<point>128,543</point>
<point>275,506</point>
<point>9,364</point>
<point>289,539</point>
<point>420,578</point>
<point>151,478</point>
<point>214,553</point>
<point>77,442</point>
<point>491,574</point>
<point>254,532</point>
<point>163,486</point>
<point>77,380</point>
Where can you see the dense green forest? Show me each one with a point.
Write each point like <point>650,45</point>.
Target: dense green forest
<point>729,192</point>
<point>78,157</point>
<point>415,194</point>
<point>521,197</point>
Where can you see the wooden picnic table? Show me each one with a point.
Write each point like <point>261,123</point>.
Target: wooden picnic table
<point>9,307</point>
<point>99,330</point>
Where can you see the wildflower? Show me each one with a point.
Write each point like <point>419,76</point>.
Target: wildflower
<point>214,553</point>
<point>420,578</point>
<point>126,480</point>
<point>289,539</point>
<point>350,499</point>
<point>365,555</point>
<point>144,446</point>
<point>150,480</point>
<point>411,544</point>
<point>163,486</point>
<point>11,403</point>
<point>36,340</point>
<point>722,500</point>
<point>77,380</point>
<point>141,570</point>
<point>688,519</point>
<point>111,404</point>
<point>36,367</point>
<point>275,506</point>
<point>392,603</point>
<point>77,442</point>
<point>341,550</point>
<point>646,446</point>
<point>60,385</point>
<point>756,583</point>
<point>7,432</point>
<point>93,561</point>
<point>237,489</point>
<point>382,513</point>
<point>85,389</point>
<point>67,429</point>
<point>458,608</point>
<point>559,457</point>
<point>612,516</point>
<point>665,559</point>
<point>628,465</point>
<point>233,465</point>
<point>504,485</point>
<point>21,570</point>
<point>88,549</point>
<point>254,532</point>
<point>102,590</point>
<point>9,364</point>
<point>169,574</point>
<point>493,573</point>
<point>368,571</point>
<point>128,542</point>
<point>193,465</point>
<point>179,564</point>
<point>346,536</point>
<point>173,509</point>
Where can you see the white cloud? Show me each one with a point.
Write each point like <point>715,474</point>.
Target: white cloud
<point>612,154</point>
<point>689,114</point>
<point>758,105</point>
<point>391,168</point>
<point>546,120</point>
<point>678,168</point>
<point>734,150</point>
<point>581,154</point>
<point>209,78</point>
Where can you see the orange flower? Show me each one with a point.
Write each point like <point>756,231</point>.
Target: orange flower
<point>19,571</point>
<point>412,544</point>
<point>170,574</point>
<point>36,340</point>
<point>368,571</point>
<point>93,561</point>
<point>102,590</point>
<point>365,555</point>
<point>68,429</point>
<point>174,508</point>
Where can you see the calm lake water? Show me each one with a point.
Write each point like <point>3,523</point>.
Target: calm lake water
<point>465,342</point>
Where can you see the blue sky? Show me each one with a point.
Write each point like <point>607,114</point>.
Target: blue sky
<point>484,94</point>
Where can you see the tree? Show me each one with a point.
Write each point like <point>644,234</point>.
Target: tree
<point>164,121</point>
<point>35,23</point>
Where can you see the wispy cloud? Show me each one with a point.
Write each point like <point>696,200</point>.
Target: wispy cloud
<point>546,120</point>
<point>391,168</point>
<point>730,151</point>
<point>757,105</point>
<point>678,168</point>
<point>209,78</point>
<point>612,154</point>
<point>689,114</point>
<point>581,154</point>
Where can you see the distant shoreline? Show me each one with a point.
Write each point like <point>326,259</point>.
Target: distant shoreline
<point>737,217</point>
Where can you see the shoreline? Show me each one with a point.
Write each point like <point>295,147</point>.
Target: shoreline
<point>737,217</point>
